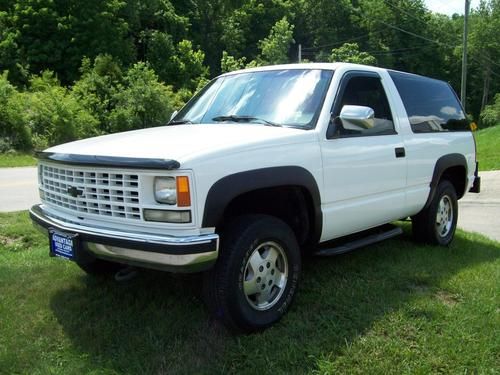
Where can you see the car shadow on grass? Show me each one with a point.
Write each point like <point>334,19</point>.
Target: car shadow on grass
<point>156,322</point>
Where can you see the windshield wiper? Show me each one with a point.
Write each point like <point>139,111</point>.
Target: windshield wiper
<point>179,122</point>
<point>236,118</point>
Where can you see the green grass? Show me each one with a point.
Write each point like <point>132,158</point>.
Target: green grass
<point>16,160</point>
<point>395,307</point>
<point>488,148</point>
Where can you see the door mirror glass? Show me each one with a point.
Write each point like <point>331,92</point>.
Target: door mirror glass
<point>357,117</point>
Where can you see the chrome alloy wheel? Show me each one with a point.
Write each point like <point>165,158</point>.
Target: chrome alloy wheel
<point>265,276</point>
<point>444,216</point>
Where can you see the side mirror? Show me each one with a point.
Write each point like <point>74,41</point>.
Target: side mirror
<point>174,113</point>
<point>357,117</point>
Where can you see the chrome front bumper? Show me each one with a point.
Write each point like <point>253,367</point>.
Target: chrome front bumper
<point>175,254</point>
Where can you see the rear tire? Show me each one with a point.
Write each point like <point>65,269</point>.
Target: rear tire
<point>437,223</point>
<point>256,276</point>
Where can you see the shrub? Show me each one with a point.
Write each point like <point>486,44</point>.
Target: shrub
<point>96,88</point>
<point>142,102</point>
<point>13,129</point>
<point>491,113</point>
<point>53,114</point>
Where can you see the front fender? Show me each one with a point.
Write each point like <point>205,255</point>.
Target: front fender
<point>229,187</point>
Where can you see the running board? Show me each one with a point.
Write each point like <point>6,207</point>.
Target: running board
<point>387,232</point>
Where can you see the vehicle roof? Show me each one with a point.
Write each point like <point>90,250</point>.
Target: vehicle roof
<point>324,66</point>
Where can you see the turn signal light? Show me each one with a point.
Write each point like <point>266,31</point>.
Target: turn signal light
<point>183,193</point>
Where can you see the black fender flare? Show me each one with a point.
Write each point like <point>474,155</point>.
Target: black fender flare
<point>229,187</point>
<point>442,164</point>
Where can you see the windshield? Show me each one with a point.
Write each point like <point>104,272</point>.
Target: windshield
<point>291,97</point>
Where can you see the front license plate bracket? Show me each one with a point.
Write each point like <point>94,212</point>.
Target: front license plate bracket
<point>64,245</point>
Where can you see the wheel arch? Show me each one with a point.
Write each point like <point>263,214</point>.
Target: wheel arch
<point>297,182</point>
<point>452,167</point>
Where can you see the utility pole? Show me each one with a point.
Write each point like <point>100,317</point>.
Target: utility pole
<point>300,53</point>
<point>463,88</point>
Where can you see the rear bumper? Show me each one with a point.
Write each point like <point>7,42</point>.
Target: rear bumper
<point>175,254</point>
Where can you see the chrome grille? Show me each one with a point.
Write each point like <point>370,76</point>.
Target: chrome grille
<point>96,192</point>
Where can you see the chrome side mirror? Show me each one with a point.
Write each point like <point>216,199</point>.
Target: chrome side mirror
<point>357,117</point>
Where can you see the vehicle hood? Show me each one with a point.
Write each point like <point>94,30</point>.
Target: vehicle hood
<point>184,142</point>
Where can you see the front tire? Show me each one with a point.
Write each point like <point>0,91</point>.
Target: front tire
<point>256,276</point>
<point>437,223</point>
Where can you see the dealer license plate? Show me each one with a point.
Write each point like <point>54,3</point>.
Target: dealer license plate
<point>63,244</point>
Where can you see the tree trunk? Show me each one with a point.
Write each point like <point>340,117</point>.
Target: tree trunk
<point>486,85</point>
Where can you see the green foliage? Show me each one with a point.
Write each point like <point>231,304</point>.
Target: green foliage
<point>491,113</point>
<point>229,63</point>
<point>142,102</point>
<point>53,114</point>
<point>275,47</point>
<point>186,66</point>
<point>14,133</point>
<point>188,42</point>
<point>350,53</point>
<point>56,35</point>
<point>97,87</point>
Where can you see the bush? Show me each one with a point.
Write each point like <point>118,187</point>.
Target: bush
<point>97,87</point>
<point>491,113</point>
<point>53,114</point>
<point>142,102</point>
<point>13,130</point>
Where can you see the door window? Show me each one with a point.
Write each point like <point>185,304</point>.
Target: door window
<point>364,91</point>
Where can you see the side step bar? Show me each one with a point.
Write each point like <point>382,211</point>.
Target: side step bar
<point>360,240</point>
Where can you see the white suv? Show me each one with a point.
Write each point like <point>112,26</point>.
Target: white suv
<point>257,166</point>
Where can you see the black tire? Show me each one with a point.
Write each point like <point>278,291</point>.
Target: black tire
<point>99,267</point>
<point>425,225</point>
<point>228,300</point>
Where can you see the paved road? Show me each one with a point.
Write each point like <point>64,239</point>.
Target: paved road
<point>481,212</point>
<point>18,188</point>
<point>478,212</point>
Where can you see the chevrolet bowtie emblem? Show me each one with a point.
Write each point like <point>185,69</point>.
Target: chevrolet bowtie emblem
<point>74,192</point>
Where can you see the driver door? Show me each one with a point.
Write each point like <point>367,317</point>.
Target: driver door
<point>364,169</point>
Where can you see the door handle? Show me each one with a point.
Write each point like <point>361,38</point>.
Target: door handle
<point>400,152</point>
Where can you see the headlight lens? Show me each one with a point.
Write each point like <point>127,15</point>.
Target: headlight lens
<point>165,190</point>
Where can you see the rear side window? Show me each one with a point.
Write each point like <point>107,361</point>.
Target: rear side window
<point>431,105</point>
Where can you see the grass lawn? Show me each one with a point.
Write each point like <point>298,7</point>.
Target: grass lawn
<point>488,148</point>
<point>395,307</point>
<point>16,160</point>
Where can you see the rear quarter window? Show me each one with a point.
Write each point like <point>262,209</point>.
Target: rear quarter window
<point>431,105</point>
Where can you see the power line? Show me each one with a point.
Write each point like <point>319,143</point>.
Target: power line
<point>404,11</point>
<point>415,35</point>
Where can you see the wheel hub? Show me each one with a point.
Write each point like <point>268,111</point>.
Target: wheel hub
<point>444,216</point>
<point>266,275</point>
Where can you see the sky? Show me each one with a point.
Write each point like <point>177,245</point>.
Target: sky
<point>449,6</point>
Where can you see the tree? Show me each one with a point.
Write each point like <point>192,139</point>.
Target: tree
<point>97,87</point>
<point>274,48</point>
<point>490,116</point>
<point>485,44</point>
<point>350,53</point>
<point>229,63</point>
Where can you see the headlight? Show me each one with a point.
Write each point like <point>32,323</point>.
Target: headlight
<point>165,190</point>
